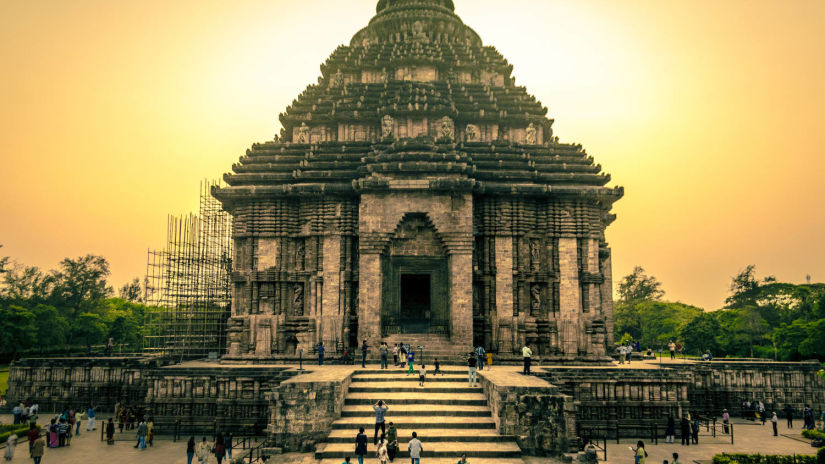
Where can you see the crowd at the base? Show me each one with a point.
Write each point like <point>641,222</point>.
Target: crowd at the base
<point>221,448</point>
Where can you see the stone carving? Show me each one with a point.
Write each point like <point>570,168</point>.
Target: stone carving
<point>298,300</point>
<point>418,30</point>
<point>535,254</point>
<point>532,136</point>
<point>300,253</point>
<point>303,133</point>
<point>387,126</point>
<point>472,133</point>
<point>447,128</point>
<point>535,298</point>
<point>338,79</point>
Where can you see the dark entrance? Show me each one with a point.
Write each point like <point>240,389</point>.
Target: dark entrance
<point>415,308</point>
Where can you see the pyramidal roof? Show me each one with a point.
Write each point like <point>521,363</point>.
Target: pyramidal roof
<point>416,95</point>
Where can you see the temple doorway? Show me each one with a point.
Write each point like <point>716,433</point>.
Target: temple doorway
<point>416,298</point>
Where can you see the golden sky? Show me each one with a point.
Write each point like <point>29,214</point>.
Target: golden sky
<point>710,114</point>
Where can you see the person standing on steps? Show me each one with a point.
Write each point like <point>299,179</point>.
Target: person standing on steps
<point>422,374</point>
<point>360,445</point>
<point>384,350</point>
<point>415,448</point>
<point>380,409</point>
<point>526,354</point>
<point>463,459</point>
<point>321,353</point>
<point>395,355</point>
<point>403,358</point>
<point>410,361</point>
<point>471,365</point>
<point>392,442</point>
<point>480,354</point>
<point>437,367</point>
<point>364,354</point>
<point>383,457</point>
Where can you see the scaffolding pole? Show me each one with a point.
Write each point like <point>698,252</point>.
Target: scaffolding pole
<point>187,283</point>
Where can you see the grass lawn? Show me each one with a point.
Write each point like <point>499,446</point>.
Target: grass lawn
<point>4,379</point>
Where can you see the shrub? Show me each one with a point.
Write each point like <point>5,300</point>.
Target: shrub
<point>8,429</point>
<point>765,459</point>
<point>820,456</point>
<point>813,434</point>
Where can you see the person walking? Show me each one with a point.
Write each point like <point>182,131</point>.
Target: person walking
<point>480,354</point>
<point>38,448</point>
<point>220,449</point>
<point>410,361</point>
<point>61,431</point>
<point>32,435</point>
<point>774,422</point>
<point>380,409</point>
<point>437,367</point>
<point>392,442</point>
<point>203,451</point>
<point>190,450</point>
<point>383,456</point>
<point>383,352</point>
<point>11,444</point>
<point>789,415</point>
<point>471,365</point>
<point>422,374</point>
<point>142,433</point>
<point>415,448</point>
<point>670,433</point>
<point>395,355</point>
<point>763,414</point>
<point>640,452</point>
<point>364,354</point>
<point>526,354</point>
<point>90,414</point>
<point>694,430</point>
<point>622,353</point>
<point>321,353</point>
<point>684,429</point>
<point>672,347</point>
<point>360,445</point>
<point>227,441</point>
<point>150,435</point>
<point>110,432</point>
<point>725,421</point>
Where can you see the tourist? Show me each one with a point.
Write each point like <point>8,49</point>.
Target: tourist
<point>680,348</point>
<point>142,432</point>
<point>190,450</point>
<point>346,460</point>
<point>219,449</point>
<point>68,441</point>
<point>774,422</point>
<point>395,355</point>
<point>52,431</point>
<point>672,347</point>
<point>110,432</point>
<point>383,351</point>
<point>437,367</point>
<point>410,361</point>
<point>150,427</point>
<point>203,451</point>
<point>72,420</point>
<point>622,353</point>
<point>694,430</point>
<point>38,448</point>
<point>675,458</point>
<point>684,429</point>
<point>227,441</point>
<point>364,354</point>
<point>90,414</point>
<point>809,417</point>
<point>629,351</point>
<point>33,433</point>
<point>321,353</point>
<point>11,444</point>
<point>392,441</point>
<point>471,364</point>
<point>670,433</point>
<point>403,352</point>
<point>346,356</point>
<point>383,456</point>
<point>380,409</point>
<point>789,415</point>
<point>725,420</point>
<point>360,445</point>
<point>463,459</point>
<point>762,413</point>
<point>480,353</point>
<point>15,412</point>
<point>62,427</point>
<point>526,354</point>
<point>422,373</point>
<point>640,452</point>
<point>415,448</point>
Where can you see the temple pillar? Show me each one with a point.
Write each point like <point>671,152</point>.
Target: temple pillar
<point>369,298</point>
<point>503,324</point>
<point>569,298</point>
<point>330,311</point>
<point>461,299</point>
<point>607,296</point>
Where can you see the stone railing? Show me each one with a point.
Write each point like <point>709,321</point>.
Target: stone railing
<point>542,419</point>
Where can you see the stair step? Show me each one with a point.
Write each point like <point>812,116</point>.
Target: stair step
<point>435,460</point>
<point>411,385</point>
<point>399,398</point>
<point>426,435</point>
<point>395,378</point>
<point>418,410</point>
<point>419,422</point>
<point>431,449</point>
<point>392,370</point>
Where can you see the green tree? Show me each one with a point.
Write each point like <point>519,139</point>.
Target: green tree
<point>132,291</point>
<point>80,284</point>
<point>700,334</point>
<point>88,329</point>
<point>17,329</point>
<point>638,286</point>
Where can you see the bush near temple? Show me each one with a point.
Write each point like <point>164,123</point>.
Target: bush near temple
<point>764,459</point>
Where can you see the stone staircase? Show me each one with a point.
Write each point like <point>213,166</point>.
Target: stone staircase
<point>435,346</point>
<point>449,416</point>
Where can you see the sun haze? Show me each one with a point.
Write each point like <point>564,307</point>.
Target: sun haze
<point>708,113</point>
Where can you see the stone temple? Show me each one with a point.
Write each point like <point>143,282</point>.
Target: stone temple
<point>417,193</point>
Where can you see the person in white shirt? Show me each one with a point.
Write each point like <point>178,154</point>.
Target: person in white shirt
<point>415,448</point>
<point>526,353</point>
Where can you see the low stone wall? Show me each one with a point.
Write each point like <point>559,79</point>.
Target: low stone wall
<point>56,383</point>
<point>303,408</point>
<point>541,418</point>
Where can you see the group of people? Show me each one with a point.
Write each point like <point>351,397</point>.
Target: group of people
<point>37,444</point>
<point>221,448</point>
<point>688,429</point>
<point>640,454</point>
<point>25,412</point>
<point>626,351</point>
